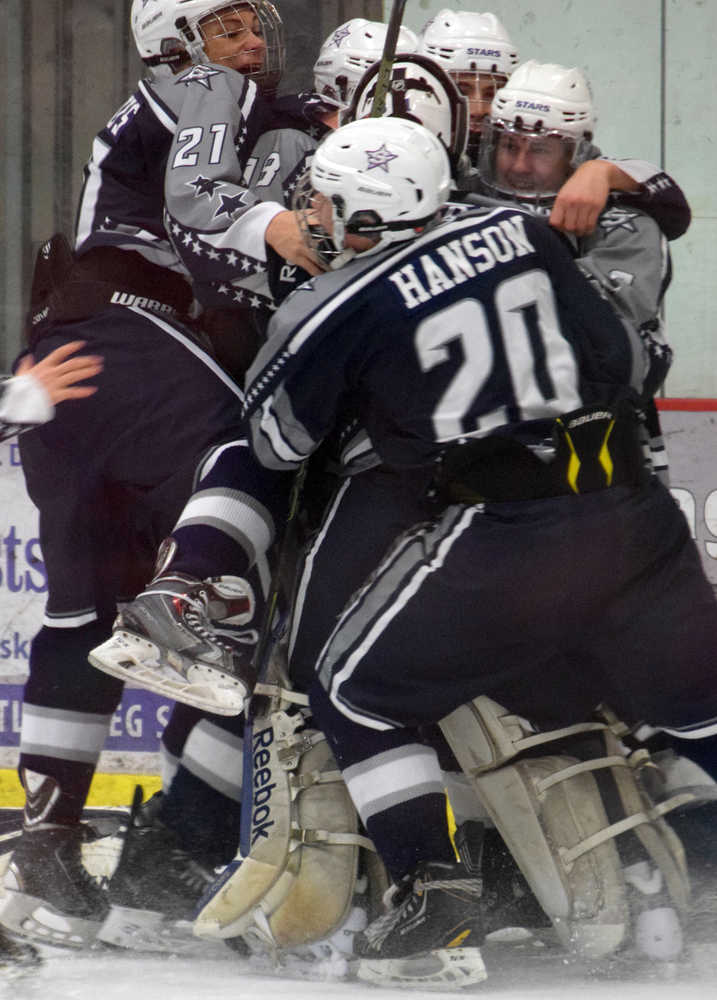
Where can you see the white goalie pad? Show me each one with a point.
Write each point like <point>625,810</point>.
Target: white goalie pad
<point>296,886</point>
<point>551,814</point>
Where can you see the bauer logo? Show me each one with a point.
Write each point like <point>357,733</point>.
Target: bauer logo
<point>263,786</point>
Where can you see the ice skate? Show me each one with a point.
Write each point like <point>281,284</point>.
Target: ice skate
<point>431,936</point>
<point>49,894</point>
<point>155,888</point>
<point>182,637</point>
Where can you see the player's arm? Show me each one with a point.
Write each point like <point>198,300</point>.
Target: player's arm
<point>584,195</point>
<point>640,184</point>
<point>30,396</point>
<point>295,387</point>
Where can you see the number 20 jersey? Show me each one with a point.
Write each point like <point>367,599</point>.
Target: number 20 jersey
<point>481,325</point>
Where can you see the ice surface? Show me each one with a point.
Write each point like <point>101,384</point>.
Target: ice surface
<point>515,975</point>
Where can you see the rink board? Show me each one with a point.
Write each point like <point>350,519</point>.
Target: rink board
<point>690,430</point>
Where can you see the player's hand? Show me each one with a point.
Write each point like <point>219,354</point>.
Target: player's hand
<point>284,235</point>
<point>582,198</point>
<point>58,373</point>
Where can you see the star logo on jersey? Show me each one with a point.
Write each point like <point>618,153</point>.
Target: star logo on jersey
<point>229,205</point>
<point>199,74</point>
<point>380,157</point>
<point>339,35</point>
<point>617,218</point>
<point>204,185</point>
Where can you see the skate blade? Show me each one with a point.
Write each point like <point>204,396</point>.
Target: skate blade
<point>150,931</point>
<point>132,658</point>
<point>444,968</point>
<point>37,920</point>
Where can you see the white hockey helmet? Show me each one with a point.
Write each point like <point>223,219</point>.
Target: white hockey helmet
<point>464,41</point>
<point>546,103</point>
<point>381,178</point>
<point>168,33</point>
<point>420,91</point>
<point>348,52</point>
<point>548,98</point>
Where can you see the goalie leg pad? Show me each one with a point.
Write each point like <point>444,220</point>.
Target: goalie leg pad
<point>550,812</point>
<point>297,883</point>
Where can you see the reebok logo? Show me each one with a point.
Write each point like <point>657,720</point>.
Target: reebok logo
<point>263,786</point>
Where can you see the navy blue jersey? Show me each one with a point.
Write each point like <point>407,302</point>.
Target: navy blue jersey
<point>482,325</point>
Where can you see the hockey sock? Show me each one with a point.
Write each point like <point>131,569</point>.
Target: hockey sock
<point>67,709</point>
<point>205,820</point>
<point>396,784</point>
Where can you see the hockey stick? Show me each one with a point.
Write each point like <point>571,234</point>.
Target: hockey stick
<point>383,77</point>
<point>259,702</point>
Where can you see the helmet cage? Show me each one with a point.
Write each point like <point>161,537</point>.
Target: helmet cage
<point>330,247</point>
<point>494,129</point>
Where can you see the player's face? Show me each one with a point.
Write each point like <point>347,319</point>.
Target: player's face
<point>323,215</point>
<point>531,163</point>
<point>233,36</point>
<point>480,89</point>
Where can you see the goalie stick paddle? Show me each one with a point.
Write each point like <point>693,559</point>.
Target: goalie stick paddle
<point>383,77</point>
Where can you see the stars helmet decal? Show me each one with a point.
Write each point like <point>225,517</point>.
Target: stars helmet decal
<point>380,157</point>
<point>339,35</point>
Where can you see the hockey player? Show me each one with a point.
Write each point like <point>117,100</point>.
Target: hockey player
<point>477,52</point>
<point>215,538</point>
<point>486,410</point>
<point>110,485</point>
<point>201,777</point>
<point>30,396</point>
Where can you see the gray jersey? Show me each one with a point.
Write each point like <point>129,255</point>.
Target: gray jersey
<point>225,275</point>
<point>228,174</point>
